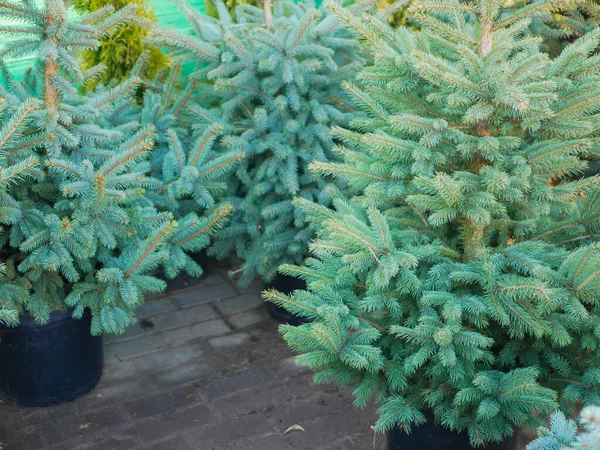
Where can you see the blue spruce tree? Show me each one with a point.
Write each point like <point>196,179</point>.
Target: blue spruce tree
<point>78,226</point>
<point>276,79</point>
<point>190,162</point>
<point>563,433</point>
<point>463,279</point>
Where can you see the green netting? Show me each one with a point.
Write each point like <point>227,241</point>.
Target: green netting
<point>167,15</point>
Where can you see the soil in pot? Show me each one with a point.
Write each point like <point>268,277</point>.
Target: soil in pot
<point>286,285</point>
<point>431,436</point>
<point>44,365</point>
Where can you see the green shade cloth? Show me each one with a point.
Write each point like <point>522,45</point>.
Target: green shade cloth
<point>167,14</point>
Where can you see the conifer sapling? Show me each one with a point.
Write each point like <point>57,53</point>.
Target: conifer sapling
<point>564,435</point>
<point>276,77</point>
<point>78,229</point>
<point>120,49</point>
<point>464,279</point>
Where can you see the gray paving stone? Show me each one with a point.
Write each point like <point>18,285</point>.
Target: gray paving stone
<point>156,306</point>
<point>306,389</point>
<point>174,424</point>
<point>182,317</point>
<point>81,427</point>
<point>186,373</point>
<point>168,358</point>
<point>123,439</point>
<point>131,348</point>
<point>261,399</point>
<point>361,442</point>
<point>300,414</point>
<point>273,442</point>
<point>204,294</point>
<point>177,443</point>
<point>240,303</point>
<point>230,340</point>
<point>200,330</point>
<point>239,381</point>
<point>162,403</point>
<point>112,444</point>
<point>317,434</point>
<point>185,282</point>
<point>324,431</point>
<point>112,392</point>
<point>224,433</point>
<point>120,370</point>
<point>30,416</point>
<point>288,367</point>
<point>224,393</point>
<point>248,318</point>
<point>27,438</point>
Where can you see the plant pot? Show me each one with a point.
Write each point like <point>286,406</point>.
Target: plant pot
<point>286,285</point>
<point>183,280</point>
<point>431,436</point>
<point>44,365</point>
<point>205,261</point>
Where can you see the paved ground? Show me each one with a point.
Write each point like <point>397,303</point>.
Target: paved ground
<point>205,370</point>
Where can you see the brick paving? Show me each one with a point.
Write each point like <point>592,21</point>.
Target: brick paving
<point>205,369</point>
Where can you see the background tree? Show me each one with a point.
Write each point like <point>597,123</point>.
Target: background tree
<point>462,280</point>
<point>188,157</point>
<point>278,90</point>
<point>120,49</point>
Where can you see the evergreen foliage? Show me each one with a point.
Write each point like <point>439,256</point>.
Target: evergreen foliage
<point>279,92</point>
<point>464,277</point>
<point>78,228</point>
<point>568,21</point>
<point>213,11</point>
<point>188,160</point>
<point>120,49</point>
<point>563,433</point>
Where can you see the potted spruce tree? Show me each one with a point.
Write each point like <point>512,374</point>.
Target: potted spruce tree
<point>460,289</point>
<point>188,156</point>
<point>80,239</point>
<point>276,77</point>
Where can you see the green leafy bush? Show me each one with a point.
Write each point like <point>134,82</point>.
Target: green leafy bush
<point>464,278</point>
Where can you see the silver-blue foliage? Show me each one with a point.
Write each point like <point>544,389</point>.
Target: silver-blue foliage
<point>79,228</point>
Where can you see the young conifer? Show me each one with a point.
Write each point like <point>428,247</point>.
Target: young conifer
<point>276,76</point>
<point>78,228</point>
<point>189,160</point>
<point>463,280</point>
<point>567,21</point>
<point>564,435</point>
<point>120,49</point>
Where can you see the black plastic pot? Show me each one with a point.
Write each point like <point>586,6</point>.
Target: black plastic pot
<point>286,285</point>
<point>205,261</point>
<point>431,436</point>
<point>44,365</point>
<point>183,280</point>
